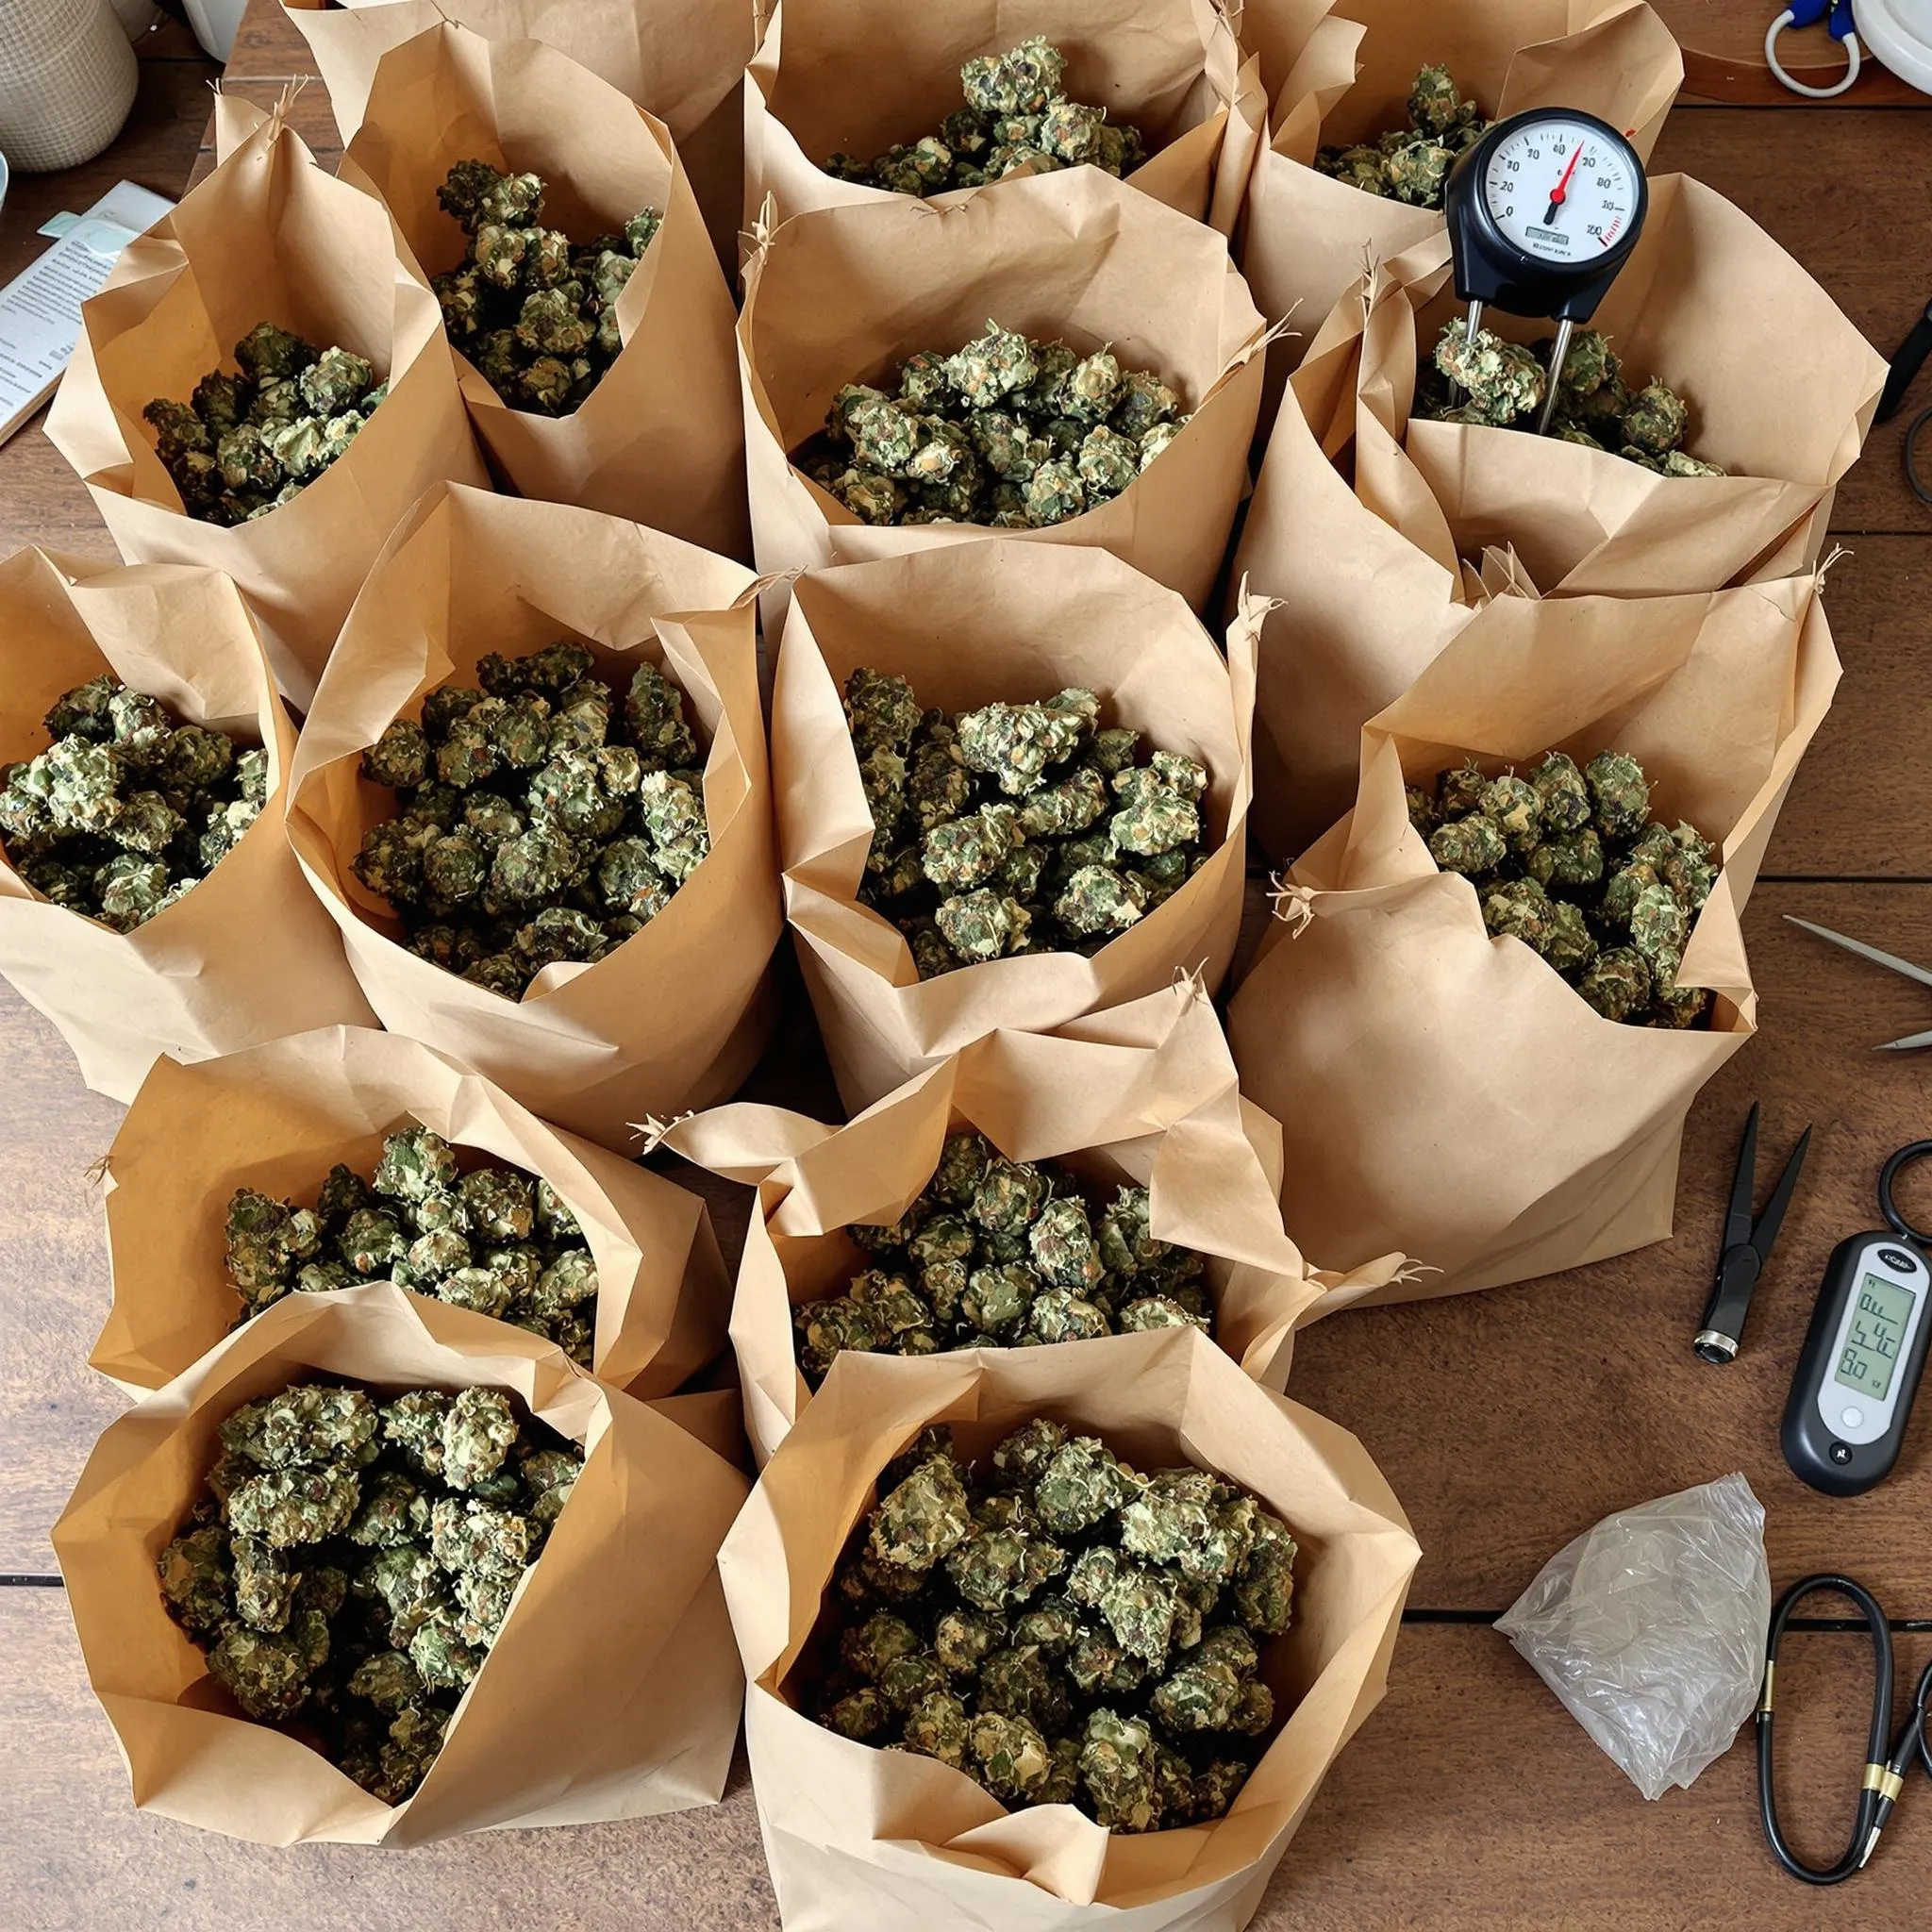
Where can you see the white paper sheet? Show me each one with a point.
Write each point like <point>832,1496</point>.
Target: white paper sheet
<point>39,309</point>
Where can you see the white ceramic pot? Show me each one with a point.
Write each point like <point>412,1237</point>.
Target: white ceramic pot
<point>214,22</point>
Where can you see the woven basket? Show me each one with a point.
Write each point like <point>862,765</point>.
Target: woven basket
<point>67,79</point>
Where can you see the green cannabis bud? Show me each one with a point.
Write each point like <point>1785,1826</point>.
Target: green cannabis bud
<point>1016,119</point>
<point>542,816</point>
<point>1026,1253</point>
<point>1483,380</point>
<point>353,1558</point>
<point>128,808</point>
<point>1569,860</point>
<point>244,445</point>
<point>492,1240</point>
<point>1005,431</point>
<point>1060,1627</point>
<point>1411,164</point>
<point>1016,827</point>
<point>534,311</point>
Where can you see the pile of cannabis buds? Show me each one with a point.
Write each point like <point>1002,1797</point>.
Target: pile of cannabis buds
<point>246,444</point>
<point>1572,863</point>
<point>1004,1252</point>
<point>353,1558</point>
<point>127,807</point>
<point>541,819</point>
<point>1007,432</point>
<point>987,833</point>
<point>495,1241</point>
<point>1503,385</point>
<point>1413,163</point>
<point>536,313</point>
<point>1066,1630</point>
<point>1016,119</point>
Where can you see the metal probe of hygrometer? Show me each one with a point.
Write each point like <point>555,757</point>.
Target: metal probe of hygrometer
<point>1543,212</point>
<point>1747,1246</point>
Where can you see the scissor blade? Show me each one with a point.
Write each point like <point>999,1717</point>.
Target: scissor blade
<point>1905,1045</point>
<point>1764,1236</point>
<point>1743,1185</point>
<point>1865,952</point>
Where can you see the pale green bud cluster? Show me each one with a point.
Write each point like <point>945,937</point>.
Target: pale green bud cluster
<point>536,313</point>
<point>1005,1253</point>
<point>353,1558</point>
<point>492,1238</point>
<point>1017,121</point>
<point>1411,164</point>
<point>1485,380</point>
<point>1016,827</point>
<point>1569,861</point>
<point>1061,1627</point>
<point>128,808</point>
<point>247,443</point>
<point>1006,431</point>
<point>542,816</point>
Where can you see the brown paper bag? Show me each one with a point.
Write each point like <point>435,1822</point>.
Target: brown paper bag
<point>611,1690</point>
<point>855,76</point>
<point>676,1015</point>
<point>1446,1092</point>
<point>969,624</point>
<point>860,1839</point>
<point>679,59</point>
<point>1144,1095</point>
<point>1307,235</point>
<point>278,1117</point>
<point>1363,546</point>
<point>246,955</point>
<point>845,295</point>
<point>269,236</point>
<point>661,438</point>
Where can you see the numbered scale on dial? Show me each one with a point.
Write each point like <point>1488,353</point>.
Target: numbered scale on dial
<point>1543,212</point>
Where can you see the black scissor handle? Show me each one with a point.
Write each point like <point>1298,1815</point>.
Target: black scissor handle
<point>1904,1157</point>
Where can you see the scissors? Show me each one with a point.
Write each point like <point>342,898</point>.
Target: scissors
<point>1747,1246</point>
<point>1877,959</point>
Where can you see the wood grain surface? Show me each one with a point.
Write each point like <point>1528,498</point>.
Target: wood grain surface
<point>1469,1798</point>
<point>1508,1422</point>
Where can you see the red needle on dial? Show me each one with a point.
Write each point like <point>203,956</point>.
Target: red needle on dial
<point>1559,194</point>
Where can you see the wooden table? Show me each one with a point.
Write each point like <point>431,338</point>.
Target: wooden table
<point>1508,1422</point>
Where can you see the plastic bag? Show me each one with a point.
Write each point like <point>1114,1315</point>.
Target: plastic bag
<point>1651,1629</point>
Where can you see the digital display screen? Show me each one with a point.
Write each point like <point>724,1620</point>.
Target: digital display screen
<point>1873,1337</point>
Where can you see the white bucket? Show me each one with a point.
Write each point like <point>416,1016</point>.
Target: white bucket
<point>214,22</point>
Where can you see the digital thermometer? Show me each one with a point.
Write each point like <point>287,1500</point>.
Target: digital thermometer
<point>1543,212</point>
<point>1858,1371</point>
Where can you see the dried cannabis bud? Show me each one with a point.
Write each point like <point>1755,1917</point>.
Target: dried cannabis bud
<point>1061,1627</point>
<point>494,1240</point>
<point>1502,385</point>
<point>1017,828</point>
<point>534,311</point>
<point>1016,119</point>
<point>1569,861</point>
<point>544,817</point>
<point>353,1558</point>
<point>1413,163</point>
<point>1006,431</point>
<point>128,807</point>
<point>1011,1253</point>
<point>247,443</point>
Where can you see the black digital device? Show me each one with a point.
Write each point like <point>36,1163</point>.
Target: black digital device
<point>1858,1371</point>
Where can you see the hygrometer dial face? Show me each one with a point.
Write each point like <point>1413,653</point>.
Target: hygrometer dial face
<point>1560,192</point>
